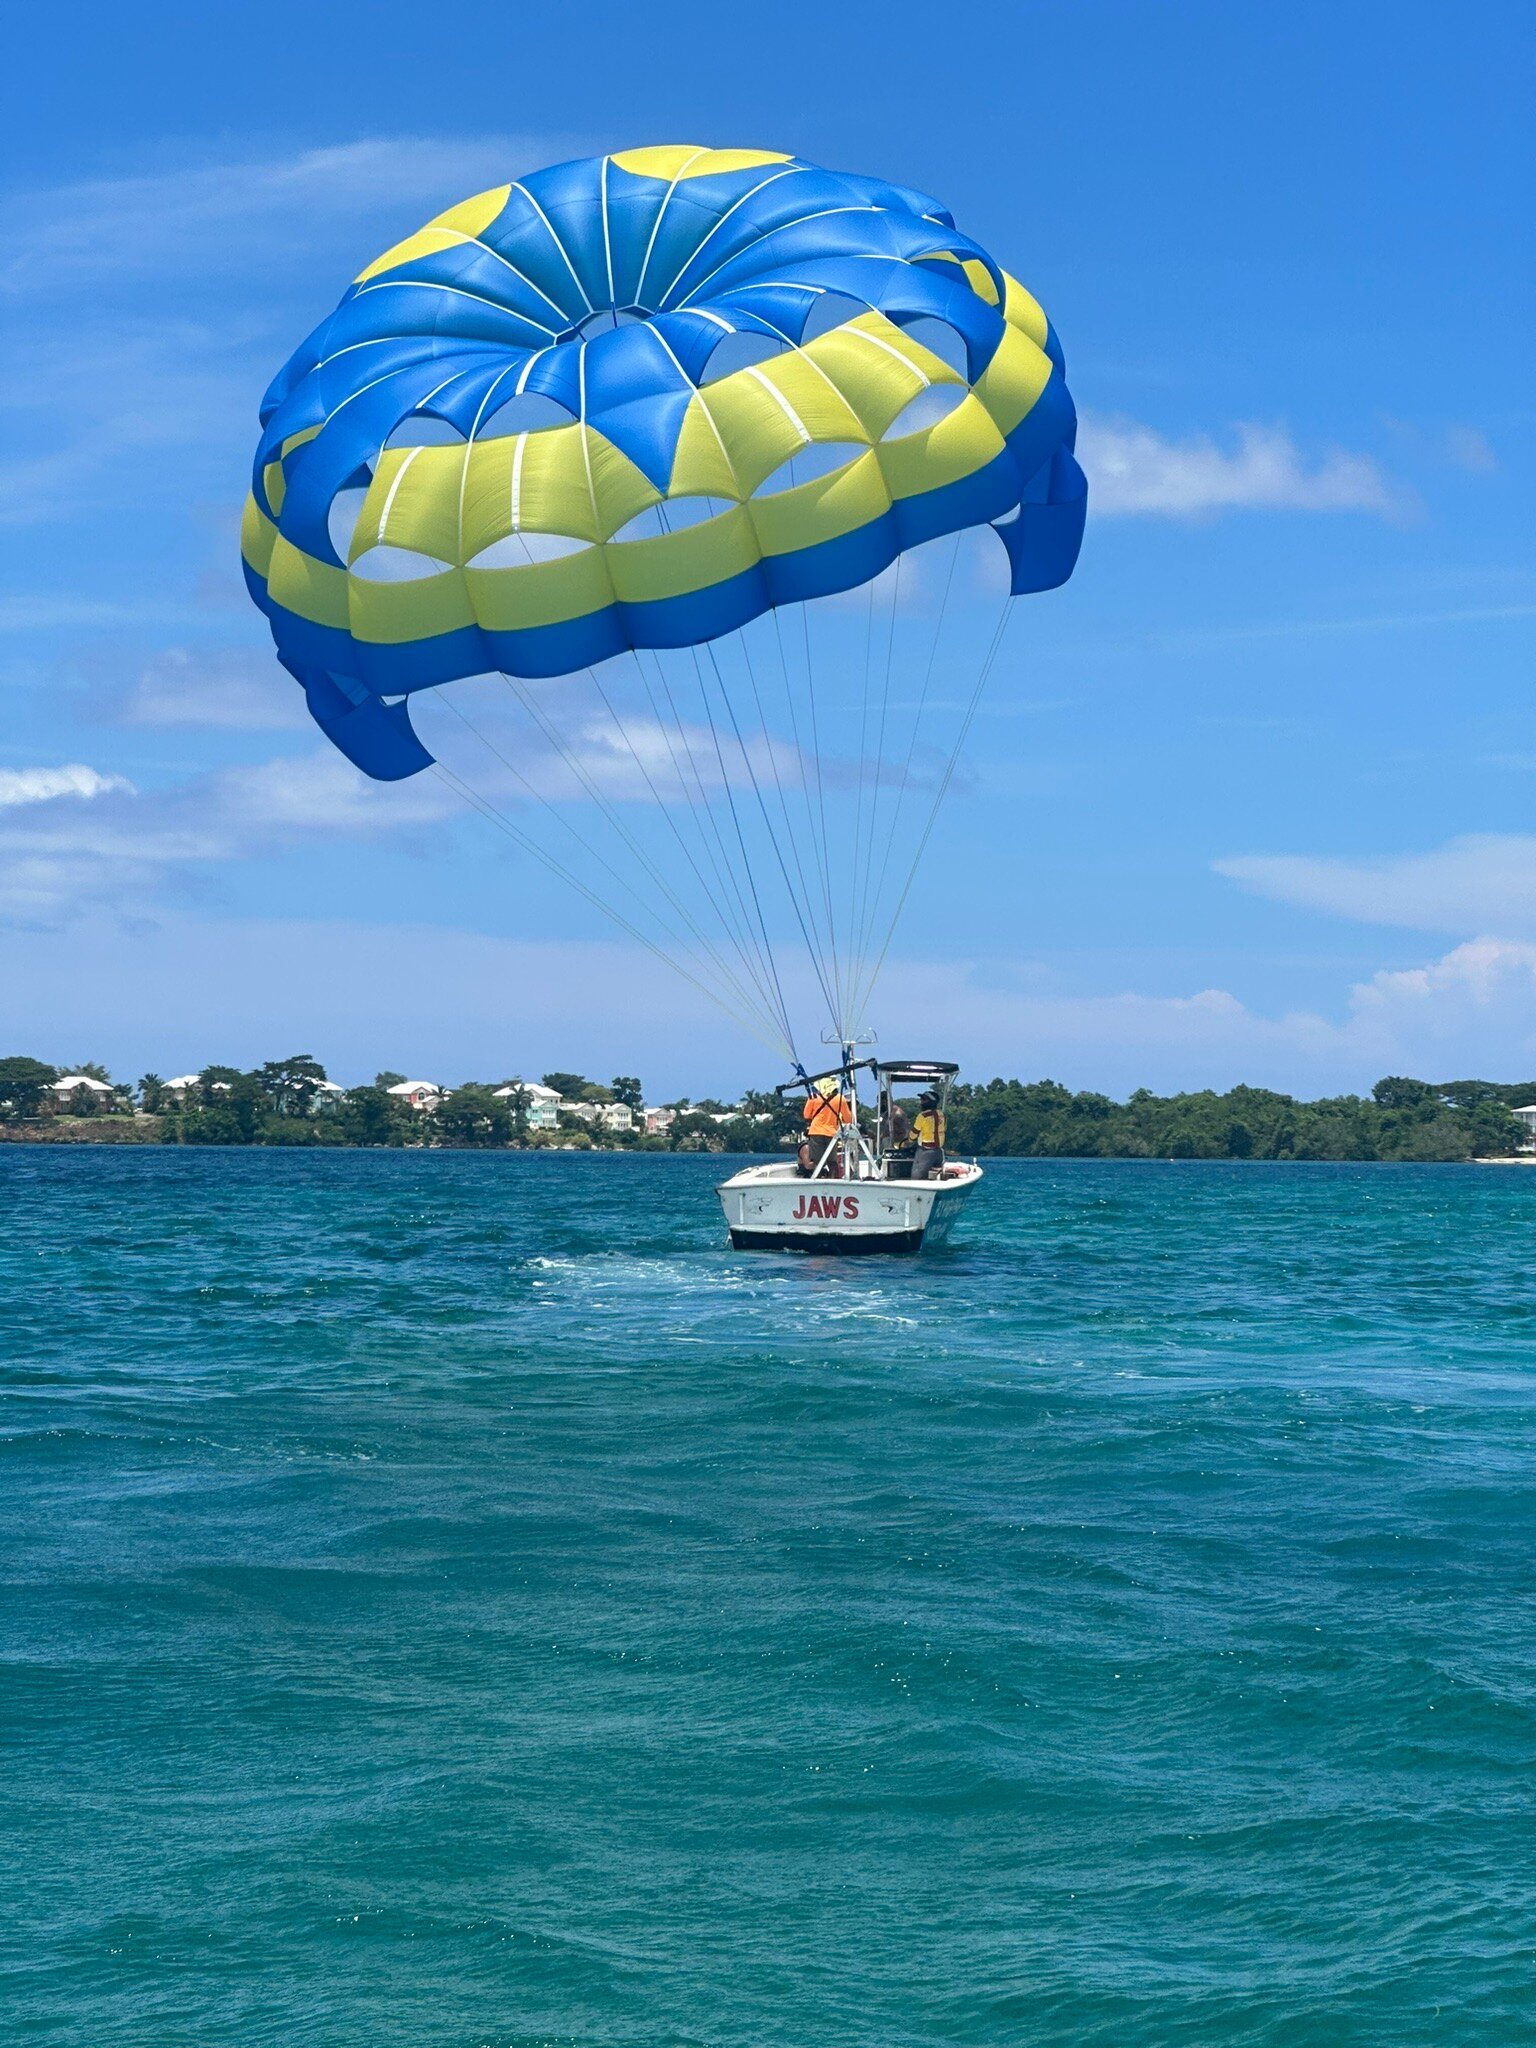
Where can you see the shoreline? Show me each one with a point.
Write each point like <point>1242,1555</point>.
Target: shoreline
<point>128,1138</point>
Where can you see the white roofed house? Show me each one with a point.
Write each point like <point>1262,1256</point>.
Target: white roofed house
<point>82,1092</point>
<point>659,1120</point>
<point>616,1116</point>
<point>188,1088</point>
<point>1527,1117</point>
<point>327,1095</point>
<point>543,1104</point>
<point>422,1096</point>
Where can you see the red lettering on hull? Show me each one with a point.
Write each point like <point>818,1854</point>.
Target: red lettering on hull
<point>829,1207</point>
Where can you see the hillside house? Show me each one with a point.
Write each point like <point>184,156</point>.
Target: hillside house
<point>544,1104</point>
<point>422,1096</point>
<point>81,1091</point>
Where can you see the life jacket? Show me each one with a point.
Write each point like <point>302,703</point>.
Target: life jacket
<point>824,1113</point>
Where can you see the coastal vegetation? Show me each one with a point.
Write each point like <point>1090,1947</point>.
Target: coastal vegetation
<point>1401,1119</point>
<point>293,1102</point>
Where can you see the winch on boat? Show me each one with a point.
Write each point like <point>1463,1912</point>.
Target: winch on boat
<point>862,1182</point>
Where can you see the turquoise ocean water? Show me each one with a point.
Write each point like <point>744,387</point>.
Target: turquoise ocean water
<point>455,1602</point>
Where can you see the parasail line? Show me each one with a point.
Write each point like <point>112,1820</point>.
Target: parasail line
<point>867,862</point>
<point>489,811</point>
<point>801,756</point>
<point>666,814</point>
<point>846,1024</point>
<point>773,976</point>
<point>647,863</point>
<point>811,695</point>
<point>855,870</point>
<point>720,442</point>
<point>811,936</point>
<point>730,799</point>
<point>802,753</point>
<point>767,821</point>
<point>942,791</point>
<point>725,453</point>
<point>917,719</point>
<point>743,994</point>
<point>703,809</point>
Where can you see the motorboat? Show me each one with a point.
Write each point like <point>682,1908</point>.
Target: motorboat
<point>860,1195</point>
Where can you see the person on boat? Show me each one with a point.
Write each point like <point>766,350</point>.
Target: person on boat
<point>826,1111</point>
<point>898,1138</point>
<point>898,1125</point>
<point>928,1135</point>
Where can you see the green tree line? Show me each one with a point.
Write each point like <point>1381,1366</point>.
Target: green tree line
<point>287,1102</point>
<point>1400,1119</point>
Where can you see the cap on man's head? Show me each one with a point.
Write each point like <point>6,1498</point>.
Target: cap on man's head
<point>928,1096</point>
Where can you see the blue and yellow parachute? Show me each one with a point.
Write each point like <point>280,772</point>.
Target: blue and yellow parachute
<point>570,416</point>
<point>631,404</point>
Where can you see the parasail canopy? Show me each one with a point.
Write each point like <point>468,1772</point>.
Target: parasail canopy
<point>599,421</point>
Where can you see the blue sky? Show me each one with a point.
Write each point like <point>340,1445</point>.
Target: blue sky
<point>1251,798</point>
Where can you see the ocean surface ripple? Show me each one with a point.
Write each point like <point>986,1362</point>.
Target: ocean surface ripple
<point>454,1601</point>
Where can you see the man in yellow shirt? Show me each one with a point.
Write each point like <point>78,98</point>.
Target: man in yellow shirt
<point>928,1134</point>
<point>826,1111</point>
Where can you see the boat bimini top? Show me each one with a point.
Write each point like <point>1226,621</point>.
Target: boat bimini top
<point>891,1073</point>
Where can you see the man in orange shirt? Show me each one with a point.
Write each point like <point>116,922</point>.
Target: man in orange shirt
<point>826,1112</point>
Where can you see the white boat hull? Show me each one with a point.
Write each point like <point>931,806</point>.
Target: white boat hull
<point>774,1208</point>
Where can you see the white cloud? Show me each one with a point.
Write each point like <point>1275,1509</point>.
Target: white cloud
<point>233,216</point>
<point>187,990</point>
<point>42,785</point>
<point>60,858</point>
<point>123,410</point>
<point>1483,882</point>
<point>324,794</point>
<point>1469,448</point>
<point>1364,622</point>
<point>1134,469</point>
<point>649,761</point>
<point>1471,1012</point>
<point>178,283</point>
<point>1475,1003</point>
<point>49,611</point>
<point>482,726</point>
<point>211,689</point>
